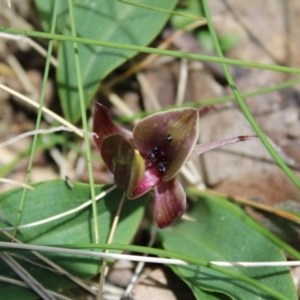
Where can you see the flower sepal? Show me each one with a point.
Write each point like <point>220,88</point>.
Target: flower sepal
<point>123,161</point>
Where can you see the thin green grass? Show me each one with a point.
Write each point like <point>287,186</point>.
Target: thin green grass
<point>38,118</point>
<point>214,101</point>
<point>176,13</point>
<point>178,54</point>
<point>160,253</point>
<point>85,124</point>
<point>243,105</point>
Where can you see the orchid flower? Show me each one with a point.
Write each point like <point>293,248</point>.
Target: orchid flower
<point>152,154</point>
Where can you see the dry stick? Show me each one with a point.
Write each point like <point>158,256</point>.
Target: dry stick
<point>139,266</point>
<point>80,162</point>
<point>30,42</point>
<point>55,153</point>
<point>8,3</point>
<point>89,253</point>
<point>197,179</point>
<point>21,75</point>
<point>21,184</point>
<point>138,258</point>
<point>118,102</point>
<point>56,267</point>
<point>22,273</point>
<point>109,241</point>
<point>191,177</point>
<point>58,158</point>
<point>39,131</point>
<point>150,58</point>
<point>148,90</point>
<point>44,109</point>
<point>182,81</point>
<point>190,173</point>
<point>22,284</point>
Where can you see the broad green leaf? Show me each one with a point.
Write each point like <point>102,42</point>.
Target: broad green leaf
<point>45,10</point>
<point>219,233</point>
<point>104,20</point>
<point>52,198</point>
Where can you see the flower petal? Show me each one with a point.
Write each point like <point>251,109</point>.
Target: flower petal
<point>123,161</point>
<point>151,178</point>
<point>104,126</point>
<point>201,148</point>
<point>170,202</point>
<point>181,124</point>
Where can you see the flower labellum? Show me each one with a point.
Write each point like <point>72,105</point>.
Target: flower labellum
<point>152,154</point>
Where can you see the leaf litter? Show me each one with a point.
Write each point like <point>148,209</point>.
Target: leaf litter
<point>268,32</point>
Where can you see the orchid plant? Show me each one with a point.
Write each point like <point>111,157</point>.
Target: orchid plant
<point>152,154</point>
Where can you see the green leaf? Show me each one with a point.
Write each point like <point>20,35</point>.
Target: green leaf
<point>205,39</point>
<point>104,20</point>
<point>52,198</point>
<point>228,41</point>
<point>192,7</point>
<point>45,10</point>
<point>219,233</point>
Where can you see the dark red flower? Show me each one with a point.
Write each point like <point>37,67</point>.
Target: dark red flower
<point>152,154</point>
